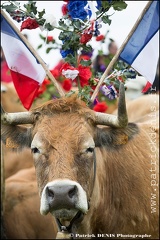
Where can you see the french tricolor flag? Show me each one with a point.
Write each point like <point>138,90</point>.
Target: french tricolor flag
<point>142,49</point>
<point>26,72</point>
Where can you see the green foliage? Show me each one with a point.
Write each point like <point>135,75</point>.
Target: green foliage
<point>77,24</point>
<point>31,7</point>
<point>106,19</point>
<point>85,94</point>
<point>42,37</point>
<point>63,25</point>
<point>105,6</point>
<point>71,59</point>
<point>49,49</point>
<point>119,5</point>
<point>49,26</point>
<point>86,48</point>
<point>40,14</point>
<point>85,62</point>
<point>39,46</point>
<point>11,7</point>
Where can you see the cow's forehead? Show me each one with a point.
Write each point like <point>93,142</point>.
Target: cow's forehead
<point>61,129</point>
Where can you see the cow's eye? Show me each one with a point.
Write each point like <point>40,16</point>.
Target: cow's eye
<point>35,150</point>
<point>90,150</point>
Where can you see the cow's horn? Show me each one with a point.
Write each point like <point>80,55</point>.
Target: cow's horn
<point>115,121</point>
<point>16,118</point>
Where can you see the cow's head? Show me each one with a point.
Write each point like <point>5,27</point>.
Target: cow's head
<point>62,138</point>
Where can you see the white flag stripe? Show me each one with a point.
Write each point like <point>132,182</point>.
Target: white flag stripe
<point>20,59</point>
<point>146,61</point>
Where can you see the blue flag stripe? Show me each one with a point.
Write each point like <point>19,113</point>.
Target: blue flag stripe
<point>147,28</point>
<point>7,29</point>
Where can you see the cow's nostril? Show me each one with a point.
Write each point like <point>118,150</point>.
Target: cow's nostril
<point>50,192</point>
<point>72,191</point>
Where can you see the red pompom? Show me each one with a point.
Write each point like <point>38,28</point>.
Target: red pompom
<point>50,39</point>
<point>100,37</point>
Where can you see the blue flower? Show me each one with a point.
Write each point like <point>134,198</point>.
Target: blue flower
<point>102,67</point>
<point>109,91</point>
<point>64,53</point>
<point>76,9</point>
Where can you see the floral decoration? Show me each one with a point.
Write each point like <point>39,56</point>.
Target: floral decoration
<point>29,23</point>
<point>81,22</point>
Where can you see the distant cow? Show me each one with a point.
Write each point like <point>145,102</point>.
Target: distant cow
<point>21,218</point>
<point>9,98</point>
<point>15,161</point>
<point>143,107</point>
<point>93,179</point>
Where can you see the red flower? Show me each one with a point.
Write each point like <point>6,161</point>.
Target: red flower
<point>50,39</point>
<point>67,84</point>
<point>100,37</point>
<point>29,23</point>
<point>85,37</point>
<point>84,75</point>
<point>100,107</point>
<point>64,9</point>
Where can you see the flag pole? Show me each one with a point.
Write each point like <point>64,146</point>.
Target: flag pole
<point>115,58</point>
<point>33,51</point>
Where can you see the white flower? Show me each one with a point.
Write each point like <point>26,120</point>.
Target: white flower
<point>71,74</point>
<point>50,19</point>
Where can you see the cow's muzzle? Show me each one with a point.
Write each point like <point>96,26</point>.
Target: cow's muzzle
<point>62,196</point>
<point>63,199</point>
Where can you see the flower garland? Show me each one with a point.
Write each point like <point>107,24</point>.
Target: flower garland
<point>81,21</point>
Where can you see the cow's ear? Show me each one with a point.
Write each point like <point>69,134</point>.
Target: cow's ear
<point>16,137</point>
<point>114,137</point>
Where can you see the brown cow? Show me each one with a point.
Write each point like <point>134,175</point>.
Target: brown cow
<point>9,98</point>
<point>92,179</point>
<point>15,161</point>
<point>141,108</point>
<point>22,219</point>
